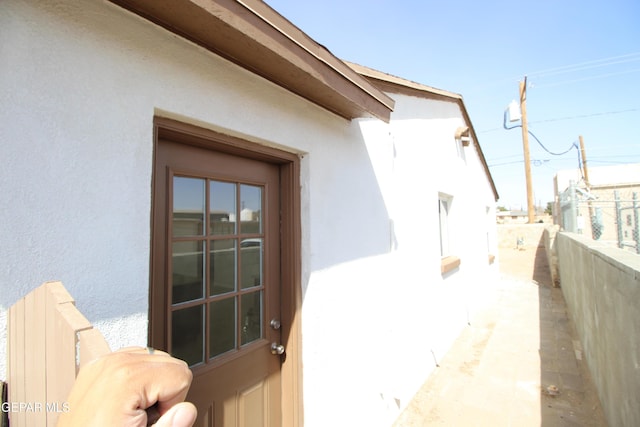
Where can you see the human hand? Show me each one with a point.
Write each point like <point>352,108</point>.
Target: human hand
<point>131,387</point>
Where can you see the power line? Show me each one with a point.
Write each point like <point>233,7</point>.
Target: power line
<point>610,162</point>
<point>605,113</point>
<point>631,57</point>
<point>600,76</point>
<point>625,156</point>
<point>613,60</point>
<point>573,145</point>
<point>506,163</point>
<point>504,124</point>
<point>535,162</point>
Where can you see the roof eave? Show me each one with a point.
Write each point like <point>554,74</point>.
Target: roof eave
<point>257,38</point>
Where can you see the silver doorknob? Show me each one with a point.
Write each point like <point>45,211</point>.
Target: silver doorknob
<point>277,348</point>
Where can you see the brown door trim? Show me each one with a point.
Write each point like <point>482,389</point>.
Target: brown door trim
<point>291,297</point>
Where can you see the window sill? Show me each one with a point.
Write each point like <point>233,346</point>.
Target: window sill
<point>449,263</point>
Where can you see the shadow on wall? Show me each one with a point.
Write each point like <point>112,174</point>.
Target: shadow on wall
<point>541,270</point>
<point>522,252</point>
<point>568,394</point>
<point>349,215</point>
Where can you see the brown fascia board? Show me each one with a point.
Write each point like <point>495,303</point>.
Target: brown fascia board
<point>257,38</point>
<point>479,149</point>
<point>392,84</point>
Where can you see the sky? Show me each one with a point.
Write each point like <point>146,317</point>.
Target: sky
<point>581,59</point>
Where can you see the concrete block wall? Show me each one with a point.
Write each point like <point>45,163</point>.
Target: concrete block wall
<point>601,286</point>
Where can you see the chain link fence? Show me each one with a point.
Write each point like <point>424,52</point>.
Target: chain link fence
<point>608,215</point>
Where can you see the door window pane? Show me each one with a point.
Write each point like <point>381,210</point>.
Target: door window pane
<point>186,335</point>
<point>217,263</point>
<point>222,326</point>
<point>251,317</point>
<point>188,269</point>
<point>222,207</point>
<point>251,262</point>
<point>188,206</point>
<point>222,266</point>
<point>251,209</point>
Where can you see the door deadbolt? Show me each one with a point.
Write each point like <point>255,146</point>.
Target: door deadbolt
<point>275,324</point>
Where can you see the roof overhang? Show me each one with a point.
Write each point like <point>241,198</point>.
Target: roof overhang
<point>257,38</point>
<point>393,84</point>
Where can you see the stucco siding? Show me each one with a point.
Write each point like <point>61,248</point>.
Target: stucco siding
<point>77,110</point>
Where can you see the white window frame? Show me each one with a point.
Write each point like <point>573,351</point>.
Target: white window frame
<point>444,211</point>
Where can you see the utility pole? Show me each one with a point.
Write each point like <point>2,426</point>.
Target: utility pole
<point>584,162</point>
<point>592,222</point>
<point>525,146</point>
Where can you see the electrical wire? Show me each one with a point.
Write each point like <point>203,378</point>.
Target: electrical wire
<point>573,144</point>
<point>606,113</point>
<point>506,163</point>
<point>600,76</point>
<point>603,62</point>
<point>630,57</point>
<point>534,162</point>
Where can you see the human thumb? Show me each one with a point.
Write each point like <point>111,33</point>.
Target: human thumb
<point>180,415</point>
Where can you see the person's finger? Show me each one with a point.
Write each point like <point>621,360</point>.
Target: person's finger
<point>157,379</point>
<point>166,382</point>
<point>180,415</point>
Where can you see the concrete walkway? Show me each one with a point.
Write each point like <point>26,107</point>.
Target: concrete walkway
<point>518,364</point>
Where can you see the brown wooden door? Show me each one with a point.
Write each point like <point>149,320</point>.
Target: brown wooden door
<point>215,291</point>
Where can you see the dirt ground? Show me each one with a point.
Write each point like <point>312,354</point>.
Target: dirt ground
<point>528,263</point>
<point>518,364</point>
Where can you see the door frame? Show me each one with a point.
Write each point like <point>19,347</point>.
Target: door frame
<point>290,247</point>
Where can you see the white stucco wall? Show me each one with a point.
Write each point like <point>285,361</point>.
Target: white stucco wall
<point>77,102</point>
<point>416,313</point>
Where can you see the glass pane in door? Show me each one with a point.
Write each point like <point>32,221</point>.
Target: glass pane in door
<point>222,266</point>
<point>187,327</point>
<point>222,326</point>
<point>222,207</point>
<point>251,209</point>
<point>251,317</point>
<point>251,262</point>
<point>187,271</point>
<point>188,206</point>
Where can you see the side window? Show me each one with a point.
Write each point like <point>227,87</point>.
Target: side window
<point>460,149</point>
<point>443,215</point>
<point>490,219</point>
<point>448,261</point>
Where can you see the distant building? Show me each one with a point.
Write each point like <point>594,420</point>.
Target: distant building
<point>594,212</point>
<point>511,217</point>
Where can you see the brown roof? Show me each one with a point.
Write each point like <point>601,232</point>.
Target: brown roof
<point>259,39</point>
<point>256,37</point>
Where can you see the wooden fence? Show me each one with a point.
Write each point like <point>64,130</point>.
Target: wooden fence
<point>49,340</point>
